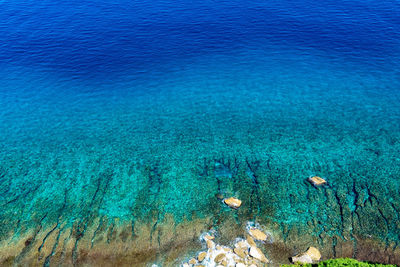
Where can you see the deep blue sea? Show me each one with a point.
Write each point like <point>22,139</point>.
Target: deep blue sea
<point>121,115</point>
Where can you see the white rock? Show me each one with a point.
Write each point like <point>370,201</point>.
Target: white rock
<point>257,254</point>
<point>304,258</point>
<point>311,255</point>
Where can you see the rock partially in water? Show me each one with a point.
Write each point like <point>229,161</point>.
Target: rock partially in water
<point>233,202</point>
<point>250,240</point>
<point>257,254</point>
<point>312,255</point>
<point>201,256</point>
<point>208,237</point>
<point>316,181</point>
<point>210,244</point>
<point>243,254</point>
<point>242,244</point>
<point>302,258</point>
<point>257,234</point>
<point>219,257</point>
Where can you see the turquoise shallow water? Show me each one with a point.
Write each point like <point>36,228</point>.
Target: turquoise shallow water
<point>163,134</point>
<point>303,118</point>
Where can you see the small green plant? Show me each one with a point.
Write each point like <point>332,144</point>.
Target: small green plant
<point>339,263</point>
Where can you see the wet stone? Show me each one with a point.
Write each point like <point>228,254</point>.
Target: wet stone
<point>233,202</point>
<point>240,252</point>
<point>257,234</point>
<point>316,181</point>
<point>257,254</point>
<point>201,256</point>
<point>310,256</point>
<point>219,258</point>
<point>210,244</point>
<point>250,240</point>
<point>208,237</point>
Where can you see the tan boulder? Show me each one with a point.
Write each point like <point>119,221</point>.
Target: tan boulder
<point>257,234</point>
<point>219,258</point>
<point>228,249</point>
<point>314,253</point>
<point>233,202</point>
<point>201,256</point>
<point>210,244</point>
<point>316,180</point>
<point>192,261</point>
<point>240,252</point>
<point>209,237</point>
<point>310,256</point>
<point>241,244</point>
<point>250,241</point>
<point>257,254</point>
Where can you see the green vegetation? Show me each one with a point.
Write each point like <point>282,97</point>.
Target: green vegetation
<point>341,262</point>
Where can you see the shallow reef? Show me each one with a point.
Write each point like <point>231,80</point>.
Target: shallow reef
<point>352,217</point>
<point>134,177</point>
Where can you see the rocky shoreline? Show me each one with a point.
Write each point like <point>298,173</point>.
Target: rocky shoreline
<point>245,252</point>
<point>173,244</point>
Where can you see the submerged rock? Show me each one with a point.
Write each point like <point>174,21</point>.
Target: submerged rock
<point>312,255</point>
<point>233,202</point>
<point>316,181</point>
<point>219,196</point>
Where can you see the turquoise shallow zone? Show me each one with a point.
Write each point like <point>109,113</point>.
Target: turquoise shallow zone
<point>171,141</point>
